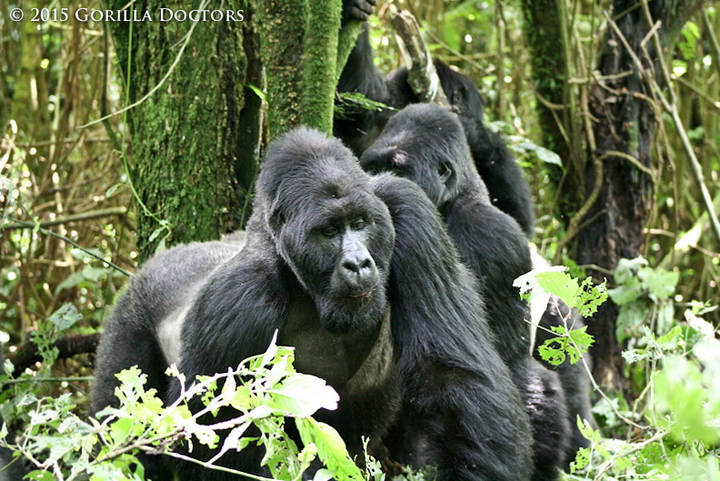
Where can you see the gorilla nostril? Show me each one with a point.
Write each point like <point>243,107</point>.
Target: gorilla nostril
<point>352,266</point>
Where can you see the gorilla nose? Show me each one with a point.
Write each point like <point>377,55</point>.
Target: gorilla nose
<point>359,271</point>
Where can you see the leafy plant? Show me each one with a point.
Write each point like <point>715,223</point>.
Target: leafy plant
<point>264,390</point>
<point>643,294</point>
<point>583,296</point>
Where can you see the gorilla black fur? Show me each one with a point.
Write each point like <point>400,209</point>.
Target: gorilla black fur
<point>507,187</point>
<point>426,144</point>
<point>360,276</point>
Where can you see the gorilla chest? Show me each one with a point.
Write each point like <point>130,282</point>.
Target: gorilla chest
<point>344,360</point>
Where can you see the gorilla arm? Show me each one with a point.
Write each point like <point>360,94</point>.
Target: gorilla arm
<point>474,426</point>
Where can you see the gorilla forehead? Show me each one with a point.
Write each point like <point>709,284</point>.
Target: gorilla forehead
<point>425,119</point>
<point>328,187</point>
<point>426,131</point>
<point>305,165</point>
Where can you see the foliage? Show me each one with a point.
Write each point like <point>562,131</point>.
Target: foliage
<point>584,297</point>
<point>643,294</point>
<point>264,390</point>
<point>674,428</point>
<point>350,101</point>
<point>54,79</point>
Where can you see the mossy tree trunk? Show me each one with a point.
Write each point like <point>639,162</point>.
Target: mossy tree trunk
<point>299,49</point>
<point>546,30</point>
<point>196,140</point>
<point>187,141</point>
<point>623,120</point>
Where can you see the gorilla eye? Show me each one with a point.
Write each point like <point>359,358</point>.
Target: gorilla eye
<point>358,224</point>
<point>373,170</point>
<point>330,231</point>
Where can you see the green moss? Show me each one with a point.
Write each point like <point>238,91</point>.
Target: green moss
<point>282,26</point>
<point>183,146</point>
<point>319,66</point>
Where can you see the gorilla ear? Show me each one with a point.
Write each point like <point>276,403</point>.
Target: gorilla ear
<point>276,220</point>
<point>445,171</point>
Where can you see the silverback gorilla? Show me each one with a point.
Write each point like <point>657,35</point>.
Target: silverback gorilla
<point>426,144</point>
<point>332,257</point>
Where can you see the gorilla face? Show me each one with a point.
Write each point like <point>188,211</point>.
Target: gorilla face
<point>426,144</point>
<point>335,235</point>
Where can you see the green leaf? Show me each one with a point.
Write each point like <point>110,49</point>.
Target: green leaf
<point>331,448</point>
<point>626,293</point>
<point>630,317</point>
<point>301,395</point>
<point>560,284</point>
<point>661,283</point>
<point>41,475</point>
<point>545,155</point>
<point>582,459</point>
<point>628,269</point>
<point>93,274</point>
<point>114,188</point>
<point>65,317</point>
<point>553,355</point>
<point>673,340</point>
<point>585,296</point>
<point>121,429</point>
<point>575,344</point>
<point>257,91</point>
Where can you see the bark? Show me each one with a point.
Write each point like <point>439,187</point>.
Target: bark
<point>320,65</point>
<point>625,123</point>
<point>546,31</point>
<point>281,26</point>
<point>299,48</point>
<point>28,353</point>
<point>186,141</point>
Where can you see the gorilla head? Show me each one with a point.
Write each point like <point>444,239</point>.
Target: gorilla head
<point>426,144</point>
<point>328,227</point>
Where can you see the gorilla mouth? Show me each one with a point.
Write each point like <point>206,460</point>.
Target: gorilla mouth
<point>363,295</point>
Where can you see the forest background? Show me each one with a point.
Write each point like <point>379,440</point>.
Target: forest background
<point>576,88</point>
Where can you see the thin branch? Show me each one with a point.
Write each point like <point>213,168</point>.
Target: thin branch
<point>103,92</point>
<point>700,93</point>
<point>422,76</point>
<point>623,453</point>
<point>671,107</point>
<point>93,214</point>
<point>68,346</point>
<point>690,239</point>
<point>69,241</point>
<point>712,40</point>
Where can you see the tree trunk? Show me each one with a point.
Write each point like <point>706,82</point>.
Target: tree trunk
<point>186,138</point>
<point>299,49</point>
<point>546,30</point>
<point>625,123</point>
